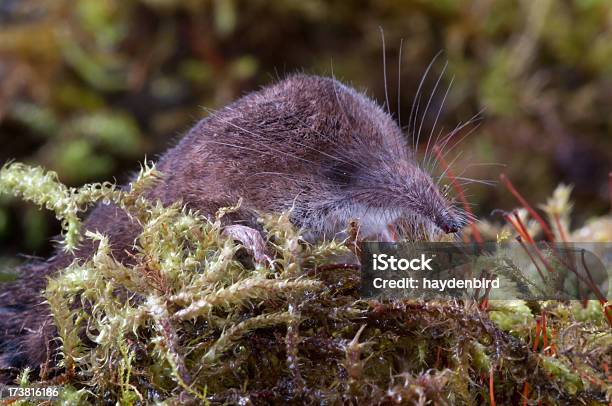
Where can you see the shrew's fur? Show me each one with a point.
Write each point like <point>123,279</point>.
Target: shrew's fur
<point>307,143</point>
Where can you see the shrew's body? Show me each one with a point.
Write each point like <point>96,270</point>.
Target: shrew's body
<point>307,143</point>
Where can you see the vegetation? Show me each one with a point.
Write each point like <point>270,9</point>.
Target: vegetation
<point>90,87</point>
<point>193,319</point>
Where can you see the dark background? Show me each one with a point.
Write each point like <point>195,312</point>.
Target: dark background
<point>89,87</point>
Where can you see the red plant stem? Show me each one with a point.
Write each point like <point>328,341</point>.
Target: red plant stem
<point>535,246</point>
<point>593,285</point>
<point>588,282</point>
<point>484,305</point>
<point>544,333</point>
<point>517,228</point>
<point>533,260</point>
<point>460,194</point>
<point>491,391</point>
<point>523,228</point>
<point>602,299</point>
<point>537,336</point>
<point>525,393</point>
<point>392,232</point>
<point>549,267</point>
<point>534,214</point>
<point>607,309</point>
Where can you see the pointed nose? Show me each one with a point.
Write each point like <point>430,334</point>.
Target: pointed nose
<point>449,225</point>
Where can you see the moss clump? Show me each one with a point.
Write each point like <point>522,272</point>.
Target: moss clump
<point>193,319</point>
<point>44,189</point>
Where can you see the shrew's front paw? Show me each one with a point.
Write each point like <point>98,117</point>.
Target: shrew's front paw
<point>252,241</point>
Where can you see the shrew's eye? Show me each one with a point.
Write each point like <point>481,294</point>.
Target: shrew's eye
<point>340,173</point>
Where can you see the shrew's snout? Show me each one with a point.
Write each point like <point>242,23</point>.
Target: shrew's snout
<point>449,224</point>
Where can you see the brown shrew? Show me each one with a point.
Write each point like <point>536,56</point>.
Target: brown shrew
<point>310,144</point>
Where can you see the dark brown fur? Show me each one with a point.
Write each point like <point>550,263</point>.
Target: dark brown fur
<point>307,143</point>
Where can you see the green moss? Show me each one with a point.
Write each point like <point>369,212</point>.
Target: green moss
<point>190,318</point>
<point>511,315</point>
<point>571,382</point>
<point>44,189</point>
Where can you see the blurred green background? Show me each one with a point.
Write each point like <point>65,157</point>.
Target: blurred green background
<point>89,87</point>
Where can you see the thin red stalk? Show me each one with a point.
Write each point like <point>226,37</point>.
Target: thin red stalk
<point>594,287</point>
<point>535,246</point>
<point>589,282</point>
<point>607,309</point>
<point>534,214</point>
<point>525,393</point>
<point>516,227</point>
<point>533,260</point>
<point>460,194</point>
<point>536,341</point>
<point>522,230</point>
<point>485,297</point>
<point>491,391</point>
<point>544,333</point>
<point>578,275</point>
<point>602,299</point>
<point>520,223</point>
<point>549,267</point>
<point>392,232</point>
<point>563,236</point>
